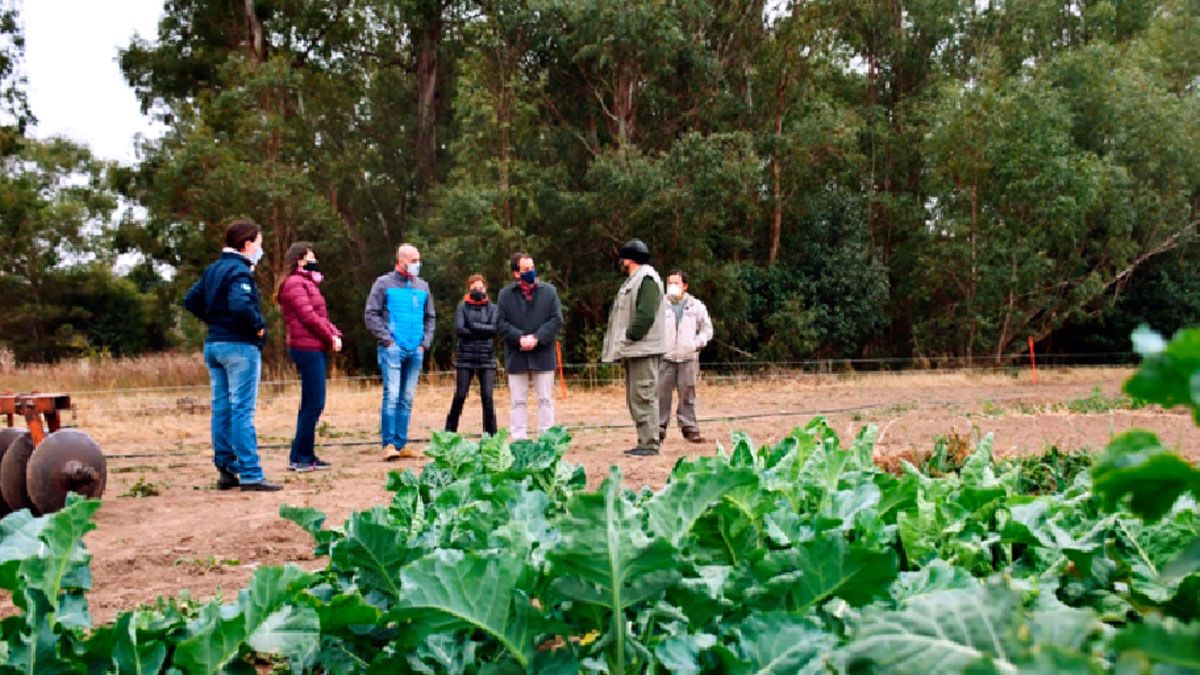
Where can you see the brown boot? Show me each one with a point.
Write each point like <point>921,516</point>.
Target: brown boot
<point>693,436</point>
<point>410,453</point>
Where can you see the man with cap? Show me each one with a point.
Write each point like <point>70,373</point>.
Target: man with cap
<point>637,337</point>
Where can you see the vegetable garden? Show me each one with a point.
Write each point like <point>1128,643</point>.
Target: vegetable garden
<point>801,556</point>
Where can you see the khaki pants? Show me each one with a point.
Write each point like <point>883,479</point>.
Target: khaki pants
<point>518,389</point>
<point>678,377</point>
<point>641,393</point>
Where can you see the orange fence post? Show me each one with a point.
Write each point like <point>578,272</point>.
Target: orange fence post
<point>1032,360</point>
<point>561,378</point>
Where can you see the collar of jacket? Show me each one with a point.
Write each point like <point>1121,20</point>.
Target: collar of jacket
<point>230,254</point>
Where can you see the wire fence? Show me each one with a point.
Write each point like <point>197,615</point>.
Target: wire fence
<point>601,374</point>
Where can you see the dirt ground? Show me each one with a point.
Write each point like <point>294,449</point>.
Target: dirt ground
<point>190,536</point>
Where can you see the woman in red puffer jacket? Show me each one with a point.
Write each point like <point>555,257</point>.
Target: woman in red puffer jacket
<point>309,335</point>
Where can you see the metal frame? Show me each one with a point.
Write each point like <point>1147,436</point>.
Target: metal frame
<point>34,407</point>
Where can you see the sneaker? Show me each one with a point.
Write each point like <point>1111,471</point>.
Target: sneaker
<point>641,452</point>
<point>321,465</point>
<point>263,485</point>
<point>227,480</point>
<point>301,467</point>
<point>391,455</point>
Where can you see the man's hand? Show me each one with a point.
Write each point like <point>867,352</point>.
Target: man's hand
<point>528,342</point>
<point>337,343</point>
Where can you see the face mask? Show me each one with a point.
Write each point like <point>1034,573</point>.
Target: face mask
<point>413,269</point>
<point>256,256</point>
<point>529,276</point>
<point>675,290</point>
<point>478,296</point>
<point>312,267</point>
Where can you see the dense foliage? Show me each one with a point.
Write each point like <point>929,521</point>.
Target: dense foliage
<point>841,178</point>
<point>801,557</point>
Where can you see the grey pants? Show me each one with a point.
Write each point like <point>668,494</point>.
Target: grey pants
<point>678,378</point>
<point>641,393</point>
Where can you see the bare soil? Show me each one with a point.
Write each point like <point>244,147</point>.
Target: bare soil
<point>190,536</point>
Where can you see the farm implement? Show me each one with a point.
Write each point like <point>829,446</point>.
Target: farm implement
<point>41,465</point>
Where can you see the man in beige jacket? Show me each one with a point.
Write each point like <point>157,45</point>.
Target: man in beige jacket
<point>687,331</point>
<point>636,338</point>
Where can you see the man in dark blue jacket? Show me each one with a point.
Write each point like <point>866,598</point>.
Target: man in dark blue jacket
<point>226,299</point>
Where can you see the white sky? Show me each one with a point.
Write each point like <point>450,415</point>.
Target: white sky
<point>75,85</point>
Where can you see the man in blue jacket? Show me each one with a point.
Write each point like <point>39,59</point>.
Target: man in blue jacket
<point>400,314</point>
<point>226,299</point>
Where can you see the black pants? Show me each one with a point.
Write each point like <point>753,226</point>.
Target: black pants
<point>462,384</point>
<point>311,365</point>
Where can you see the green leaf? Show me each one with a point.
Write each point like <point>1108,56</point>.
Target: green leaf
<point>477,590</point>
<point>213,640</point>
<point>957,630</point>
<point>1135,465</point>
<point>1168,377</point>
<point>676,508</point>
<point>780,643</point>
<point>133,655</point>
<point>372,553</point>
<point>495,453</point>
<point>1163,642</point>
<point>605,559</point>
<point>680,654</point>
<point>813,571</point>
<point>453,452</point>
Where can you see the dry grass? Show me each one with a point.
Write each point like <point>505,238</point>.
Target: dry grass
<point>179,370</point>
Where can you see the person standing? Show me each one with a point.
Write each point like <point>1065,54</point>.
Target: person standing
<point>687,330</point>
<point>400,314</point>
<point>636,337</point>
<point>309,335</point>
<point>475,325</point>
<point>529,317</point>
<point>226,299</point>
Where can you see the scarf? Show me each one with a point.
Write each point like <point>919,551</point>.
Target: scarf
<point>527,290</point>
<point>467,299</point>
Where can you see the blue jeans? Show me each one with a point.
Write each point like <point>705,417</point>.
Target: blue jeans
<point>400,369</point>
<point>235,368</point>
<point>311,366</point>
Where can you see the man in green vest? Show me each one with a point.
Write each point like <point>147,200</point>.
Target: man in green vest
<point>637,338</point>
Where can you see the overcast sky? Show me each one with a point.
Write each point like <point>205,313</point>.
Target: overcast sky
<point>75,85</point>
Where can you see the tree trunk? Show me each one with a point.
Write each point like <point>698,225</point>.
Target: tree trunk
<point>428,41</point>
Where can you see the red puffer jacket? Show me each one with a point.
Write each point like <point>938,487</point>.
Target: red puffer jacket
<point>304,312</point>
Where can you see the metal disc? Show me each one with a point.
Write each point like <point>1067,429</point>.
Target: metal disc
<point>7,436</point>
<point>67,461</point>
<point>12,473</point>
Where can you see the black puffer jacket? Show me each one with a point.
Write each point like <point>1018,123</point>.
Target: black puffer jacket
<point>476,328</point>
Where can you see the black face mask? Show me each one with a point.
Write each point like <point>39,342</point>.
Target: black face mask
<point>312,267</point>
<point>478,296</point>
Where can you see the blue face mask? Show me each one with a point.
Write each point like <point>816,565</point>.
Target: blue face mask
<point>256,256</point>
<point>414,269</point>
<point>529,276</point>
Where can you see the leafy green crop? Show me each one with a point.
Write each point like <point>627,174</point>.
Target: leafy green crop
<point>798,557</point>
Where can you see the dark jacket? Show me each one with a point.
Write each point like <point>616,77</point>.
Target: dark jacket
<point>540,317</point>
<point>305,314</point>
<point>226,298</point>
<point>476,329</point>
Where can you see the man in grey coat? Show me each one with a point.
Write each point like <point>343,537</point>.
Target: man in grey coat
<point>528,319</point>
<point>636,337</point>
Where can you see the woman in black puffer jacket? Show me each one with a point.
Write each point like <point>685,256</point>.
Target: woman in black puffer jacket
<point>475,324</point>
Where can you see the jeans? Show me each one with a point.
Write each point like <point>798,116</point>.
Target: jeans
<point>462,385</point>
<point>235,368</point>
<point>400,369</point>
<point>518,389</point>
<point>311,365</point>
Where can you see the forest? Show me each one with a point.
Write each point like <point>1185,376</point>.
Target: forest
<point>839,178</point>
